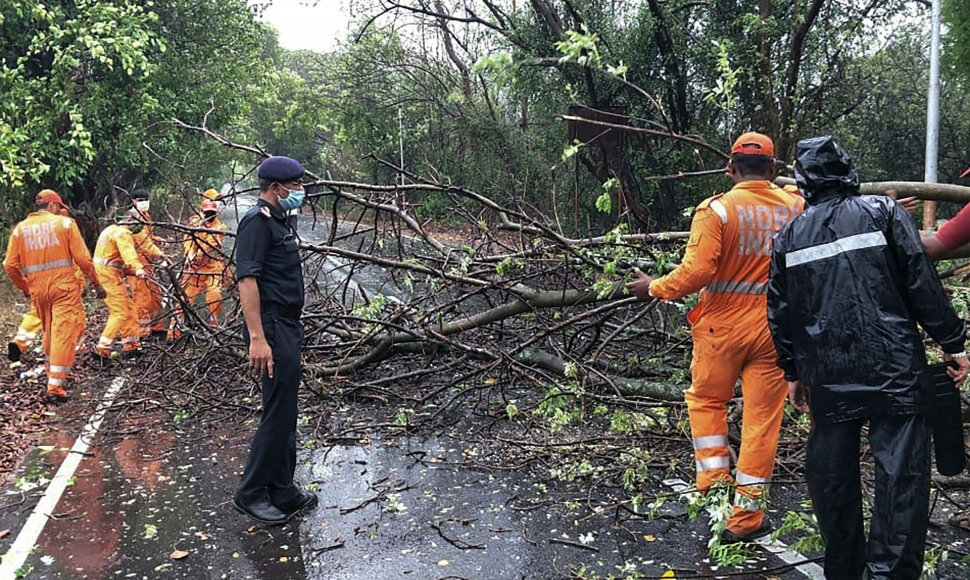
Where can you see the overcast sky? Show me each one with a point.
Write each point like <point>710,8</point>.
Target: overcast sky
<point>307,24</point>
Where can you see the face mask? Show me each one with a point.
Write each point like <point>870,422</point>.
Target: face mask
<point>208,216</point>
<point>294,200</point>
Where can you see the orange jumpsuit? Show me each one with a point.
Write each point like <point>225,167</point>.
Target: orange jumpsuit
<point>30,325</point>
<point>727,259</point>
<point>28,329</point>
<point>114,257</point>
<point>205,270</point>
<point>41,257</point>
<point>145,292</point>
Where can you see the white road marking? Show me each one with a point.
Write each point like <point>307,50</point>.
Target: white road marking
<point>22,546</point>
<point>777,547</point>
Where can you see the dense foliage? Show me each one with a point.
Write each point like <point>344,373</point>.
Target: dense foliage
<point>473,92</point>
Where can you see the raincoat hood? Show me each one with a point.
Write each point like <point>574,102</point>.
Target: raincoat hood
<point>823,168</point>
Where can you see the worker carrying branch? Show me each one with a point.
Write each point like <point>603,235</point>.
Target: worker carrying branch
<point>206,271</point>
<point>727,260</point>
<point>41,257</point>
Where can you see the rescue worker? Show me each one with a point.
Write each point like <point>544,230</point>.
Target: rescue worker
<point>30,325</point>
<point>726,259</point>
<point>268,270</point>
<point>849,283</point>
<point>115,257</point>
<point>146,293</point>
<point>205,268</point>
<point>41,257</point>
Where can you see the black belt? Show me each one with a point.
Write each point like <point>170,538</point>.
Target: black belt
<point>292,312</point>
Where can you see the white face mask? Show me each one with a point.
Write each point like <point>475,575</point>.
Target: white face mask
<point>142,205</point>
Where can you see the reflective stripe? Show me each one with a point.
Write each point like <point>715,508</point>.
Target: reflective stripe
<point>719,209</point>
<point>56,382</point>
<point>105,341</point>
<point>129,339</point>
<point>710,441</point>
<point>106,262</point>
<point>737,287</point>
<point>831,249</point>
<point>748,504</point>
<point>47,266</point>
<point>707,464</point>
<point>745,479</point>
<point>59,369</point>
<point>25,336</point>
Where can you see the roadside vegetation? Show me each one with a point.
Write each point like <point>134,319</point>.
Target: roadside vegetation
<point>492,170</point>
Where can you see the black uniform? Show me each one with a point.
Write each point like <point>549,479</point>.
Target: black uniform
<point>266,248</point>
<point>849,282</point>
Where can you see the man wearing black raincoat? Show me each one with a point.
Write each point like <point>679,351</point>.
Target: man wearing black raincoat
<point>849,282</point>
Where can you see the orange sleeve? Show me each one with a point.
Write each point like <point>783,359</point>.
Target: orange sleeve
<point>12,262</point>
<point>700,260</point>
<point>80,254</point>
<point>126,247</point>
<point>148,247</point>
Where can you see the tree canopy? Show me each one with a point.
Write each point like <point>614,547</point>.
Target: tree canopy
<point>473,92</point>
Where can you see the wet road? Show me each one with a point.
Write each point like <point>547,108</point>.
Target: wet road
<point>155,504</point>
<point>152,500</point>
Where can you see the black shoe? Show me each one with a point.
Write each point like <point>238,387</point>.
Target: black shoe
<point>306,500</point>
<point>132,354</point>
<point>13,351</point>
<point>729,537</point>
<point>57,399</point>
<point>262,512</point>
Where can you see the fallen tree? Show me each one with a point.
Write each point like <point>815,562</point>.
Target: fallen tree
<point>515,296</point>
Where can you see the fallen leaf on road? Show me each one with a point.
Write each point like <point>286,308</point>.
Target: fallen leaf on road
<point>650,538</point>
<point>4,534</point>
<point>179,554</point>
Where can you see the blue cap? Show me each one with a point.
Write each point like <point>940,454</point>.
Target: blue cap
<point>281,169</point>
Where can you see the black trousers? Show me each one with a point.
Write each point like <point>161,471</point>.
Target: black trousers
<point>901,451</point>
<point>268,473</point>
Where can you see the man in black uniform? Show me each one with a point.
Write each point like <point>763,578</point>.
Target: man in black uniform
<point>849,283</point>
<point>270,279</point>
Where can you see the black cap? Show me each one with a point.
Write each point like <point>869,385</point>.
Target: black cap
<point>281,169</point>
<point>139,194</point>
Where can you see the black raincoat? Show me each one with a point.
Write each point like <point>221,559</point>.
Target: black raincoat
<point>849,281</point>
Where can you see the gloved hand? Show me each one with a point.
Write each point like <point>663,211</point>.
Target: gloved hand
<point>100,292</point>
<point>140,273</point>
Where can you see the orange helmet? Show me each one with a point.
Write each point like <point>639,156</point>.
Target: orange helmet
<point>210,194</point>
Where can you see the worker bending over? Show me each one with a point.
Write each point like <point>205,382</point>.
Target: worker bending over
<point>115,257</point>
